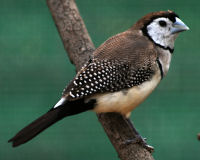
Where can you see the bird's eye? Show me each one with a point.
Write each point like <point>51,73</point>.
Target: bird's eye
<point>162,23</point>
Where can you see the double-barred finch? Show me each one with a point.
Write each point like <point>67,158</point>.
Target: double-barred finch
<point>124,70</point>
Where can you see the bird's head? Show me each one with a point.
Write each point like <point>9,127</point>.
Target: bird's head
<point>161,27</point>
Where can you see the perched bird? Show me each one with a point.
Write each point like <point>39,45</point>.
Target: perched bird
<point>124,70</point>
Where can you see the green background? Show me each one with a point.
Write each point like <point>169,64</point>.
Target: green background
<point>34,69</point>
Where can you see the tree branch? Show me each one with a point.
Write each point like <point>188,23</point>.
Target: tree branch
<point>72,30</point>
<point>79,47</point>
<point>198,136</point>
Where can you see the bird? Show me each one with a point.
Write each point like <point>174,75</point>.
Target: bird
<point>120,75</point>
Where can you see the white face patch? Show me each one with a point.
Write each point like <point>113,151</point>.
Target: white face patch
<point>160,32</point>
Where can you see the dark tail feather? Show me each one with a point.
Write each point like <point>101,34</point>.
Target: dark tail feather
<point>36,127</point>
<point>51,117</point>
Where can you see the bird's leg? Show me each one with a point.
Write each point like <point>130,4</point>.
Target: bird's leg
<point>138,138</point>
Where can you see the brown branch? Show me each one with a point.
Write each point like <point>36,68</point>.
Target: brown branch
<point>72,30</point>
<point>198,136</point>
<point>79,47</point>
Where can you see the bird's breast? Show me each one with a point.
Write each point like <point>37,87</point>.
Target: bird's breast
<point>126,100</point>
<point>165,59</point>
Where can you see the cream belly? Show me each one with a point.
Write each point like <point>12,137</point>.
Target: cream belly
<point>125,101</point>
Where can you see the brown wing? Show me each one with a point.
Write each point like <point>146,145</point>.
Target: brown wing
<point>130,46</point>
<point>118,64</point>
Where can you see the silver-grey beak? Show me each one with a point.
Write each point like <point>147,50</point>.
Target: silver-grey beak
<point>178,26</point>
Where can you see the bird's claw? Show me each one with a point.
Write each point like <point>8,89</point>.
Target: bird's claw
<point>138,139</point>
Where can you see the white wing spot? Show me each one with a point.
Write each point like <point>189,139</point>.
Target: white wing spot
<point>87,86</point>
<point>75,83</point>
<point>70,93</point>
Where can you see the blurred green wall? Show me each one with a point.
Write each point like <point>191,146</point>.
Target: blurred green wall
<point>34,69</point>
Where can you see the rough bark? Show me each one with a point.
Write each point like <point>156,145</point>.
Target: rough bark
<point>79,47</point>
<point>72,30</point>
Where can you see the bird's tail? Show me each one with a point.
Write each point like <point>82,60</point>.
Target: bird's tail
<point>35,127</point>
<point>43,122</point>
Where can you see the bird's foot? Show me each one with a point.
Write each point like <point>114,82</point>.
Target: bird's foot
<point>138,139</point>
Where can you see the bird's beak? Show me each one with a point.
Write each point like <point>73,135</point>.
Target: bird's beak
<point>178,26</point>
